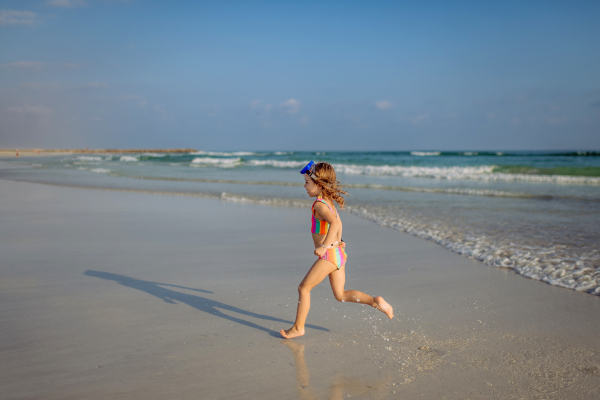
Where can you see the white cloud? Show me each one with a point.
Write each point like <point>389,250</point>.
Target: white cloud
<point>41,85</point>
<point>290,106</point>
<point>304,120</point>
<point>383,104</point>
<point>15,17</point>
<point>65,3</point>
<point>31,111</point>
<point>159,109</point>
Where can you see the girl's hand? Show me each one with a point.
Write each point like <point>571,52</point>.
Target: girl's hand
<point>319,251</point>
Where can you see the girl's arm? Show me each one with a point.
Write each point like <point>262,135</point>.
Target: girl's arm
<point>334,227</point>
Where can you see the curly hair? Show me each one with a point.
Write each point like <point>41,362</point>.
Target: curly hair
<point>327,181</point>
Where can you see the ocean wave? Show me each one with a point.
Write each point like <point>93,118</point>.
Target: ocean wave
<point>89,158</point>
<point>552,264</point>
<point>414,171</point>
<point>225,154</point>
<point>589,171</point>
<point>373,186</point>
<point>129,158</point>
<point>425,153</point>
<point>556,179</point>
<point>460,191</point>
<point>277,163</point>
<point>267,201</point>
<point>100,170</point>
<point>157,155</point>
<point>507,153</point>
<point>481,173</point>
<point>221,162</point>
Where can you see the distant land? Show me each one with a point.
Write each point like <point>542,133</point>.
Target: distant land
<point>35,152</point>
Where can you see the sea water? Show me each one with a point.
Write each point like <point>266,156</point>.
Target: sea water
<point>537,213</point>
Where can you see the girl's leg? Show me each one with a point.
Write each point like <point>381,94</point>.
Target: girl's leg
<point>315,275</point>
<point>337,279</point>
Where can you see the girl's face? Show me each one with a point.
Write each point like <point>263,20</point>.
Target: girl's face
<point>311,187</point>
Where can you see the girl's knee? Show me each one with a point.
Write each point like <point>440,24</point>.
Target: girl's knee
<point>339,296</point>
<point>303,289</point>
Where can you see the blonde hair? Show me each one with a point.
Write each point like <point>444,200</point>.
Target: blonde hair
<point>327,181</point>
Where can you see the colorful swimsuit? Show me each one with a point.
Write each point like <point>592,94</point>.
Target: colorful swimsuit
<point>335,255</point>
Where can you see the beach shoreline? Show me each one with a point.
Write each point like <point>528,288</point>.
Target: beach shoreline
<point>131,294</point>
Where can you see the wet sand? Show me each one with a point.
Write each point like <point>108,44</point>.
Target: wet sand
<point>134,295</point>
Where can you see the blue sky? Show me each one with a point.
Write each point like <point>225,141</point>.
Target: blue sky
<point>277,75</point>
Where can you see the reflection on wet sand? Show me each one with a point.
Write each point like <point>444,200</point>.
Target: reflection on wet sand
<point>340,385</point>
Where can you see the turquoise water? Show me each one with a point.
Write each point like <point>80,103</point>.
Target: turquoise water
<point>537,213</point>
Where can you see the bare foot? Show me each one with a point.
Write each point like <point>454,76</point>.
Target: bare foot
<point>383,306</point>
<point>292,333</point>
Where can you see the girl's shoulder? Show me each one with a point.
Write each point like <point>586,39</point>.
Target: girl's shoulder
<point>321,203</point>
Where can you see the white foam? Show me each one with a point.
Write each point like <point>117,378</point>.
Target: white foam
<point>221,153</point>
<point>283,153</point>
<point>100,170</point>
<point>277,163</point>
<point>268,201</point>
<point>220,162</point>
<point>129,158</point>
<point>425,153</point>
<point>413,171</point>
<point>462,191</point>
<point>481,173</point>
<point>552,264</point>
<point>89,158</point>
<point>557,179</point>
<point>153,154</point>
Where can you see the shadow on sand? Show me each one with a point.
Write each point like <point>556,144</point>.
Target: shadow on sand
<point>198,302</point>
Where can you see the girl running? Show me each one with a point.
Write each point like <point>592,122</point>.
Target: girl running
<point>321,182</point>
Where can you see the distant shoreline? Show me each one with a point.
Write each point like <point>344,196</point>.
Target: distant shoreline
<point>37,152</point>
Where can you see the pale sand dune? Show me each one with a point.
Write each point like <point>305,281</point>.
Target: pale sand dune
<point>106,294</point>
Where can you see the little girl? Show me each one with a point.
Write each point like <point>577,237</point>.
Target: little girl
<point>321,182</point>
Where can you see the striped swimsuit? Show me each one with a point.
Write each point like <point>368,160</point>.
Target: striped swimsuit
<point>335,255</point>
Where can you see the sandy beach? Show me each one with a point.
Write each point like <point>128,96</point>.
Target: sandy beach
<point>131,295</point>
